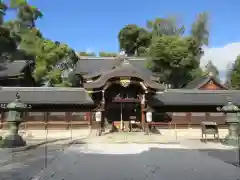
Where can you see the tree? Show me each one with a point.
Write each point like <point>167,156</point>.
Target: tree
<point>228,75</point>
<point>107,54</point>
<point>132,37</point>
<point>8,41</point>
<point>143,42</point>
<point>89,54</point>
<point>175,58</point>
<point>165,26</point>
<point>199,29</point>
<point>26,13</point>
<point>235,74</point>
<point>211,68</point>
<point>3,8</point>
<point>53,61</point>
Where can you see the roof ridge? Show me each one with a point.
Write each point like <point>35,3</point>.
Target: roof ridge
<point>200,91</point>
<point>40,89</point>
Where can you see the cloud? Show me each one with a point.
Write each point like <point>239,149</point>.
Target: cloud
<point>221,56</point>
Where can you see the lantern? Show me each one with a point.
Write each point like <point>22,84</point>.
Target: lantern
<point>149,116</point>
<point>98,116</point>
<point>15,111</point>
<point>232,119</point>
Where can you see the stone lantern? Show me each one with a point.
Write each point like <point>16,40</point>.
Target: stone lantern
<point>232,119</point>
<point>15,111</point>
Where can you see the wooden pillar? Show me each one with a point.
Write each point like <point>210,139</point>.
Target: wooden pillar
<point>103,112</point>
<point>46,117</point>
<point>68,118</point>
<point>142,112</point>
<point>1,120</point>
<point>207,116</point>
<point>88,116</point>
<point>189,117</point>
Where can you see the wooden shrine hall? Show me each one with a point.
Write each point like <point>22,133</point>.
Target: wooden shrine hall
<point>123,88</point>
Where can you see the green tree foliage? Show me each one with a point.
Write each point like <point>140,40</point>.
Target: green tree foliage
<point>53,61</point>
<point>133,39</point>
<point>89,54</point>
<point>175,58</point>
<point>26,13</point>
<point>170,52</point>
<point>200,30</point>
<point>228,75</point>
<point>211,68</point>
<point>8,40</point>
<point>235,74</point>
<point>165,26</point>
<point>107,54</point>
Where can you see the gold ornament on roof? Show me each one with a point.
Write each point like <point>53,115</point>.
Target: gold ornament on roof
<point>125,82</point>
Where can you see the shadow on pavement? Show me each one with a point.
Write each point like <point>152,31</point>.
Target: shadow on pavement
<point>143,165</point>
<point>229,156</point>
<point>26,164</point>
<point>149,163</point>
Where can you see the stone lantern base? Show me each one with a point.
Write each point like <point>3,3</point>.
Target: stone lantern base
<point>233,138</point>
<point>12,141</point>
<point>232,141</point>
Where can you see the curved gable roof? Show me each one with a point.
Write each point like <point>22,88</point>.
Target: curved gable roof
<point>125,69</point>
<point>200,82</point>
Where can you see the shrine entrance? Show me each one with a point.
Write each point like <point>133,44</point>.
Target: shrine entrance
<point>123,105</point>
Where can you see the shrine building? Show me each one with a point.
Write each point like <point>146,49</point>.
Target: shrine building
<point>123,87</point>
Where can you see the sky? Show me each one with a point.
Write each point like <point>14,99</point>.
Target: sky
<point>93,25</point>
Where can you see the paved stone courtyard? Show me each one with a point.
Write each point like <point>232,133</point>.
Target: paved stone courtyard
<point>137,161</point>
<point>133,158</point>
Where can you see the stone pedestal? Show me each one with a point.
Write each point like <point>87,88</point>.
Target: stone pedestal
<point>233,137</point>
<point>13,139</point>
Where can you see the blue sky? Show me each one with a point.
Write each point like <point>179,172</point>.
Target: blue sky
<point>94,24</point>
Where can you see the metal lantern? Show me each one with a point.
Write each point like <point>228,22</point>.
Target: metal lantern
<point>98,116</point>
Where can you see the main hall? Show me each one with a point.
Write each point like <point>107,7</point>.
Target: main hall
<point>122,88</point>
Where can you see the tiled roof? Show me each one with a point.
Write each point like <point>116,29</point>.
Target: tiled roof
<point>124,69</point>
<point>94,65</point>
<point>201,81</point>
<point>12,69</point>
<point>195,97</point>
<point>46,95</point>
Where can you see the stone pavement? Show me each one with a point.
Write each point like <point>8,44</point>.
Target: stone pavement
<point>50,134</point>
<point>167,134</point>
<point>131,137</point>
<point>137,162</point>
<point>36,138</point>
<point>118,160</point>
<point>26,164</point>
